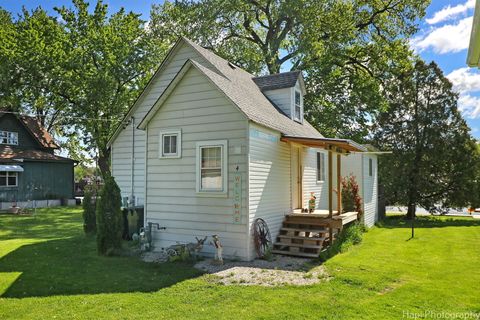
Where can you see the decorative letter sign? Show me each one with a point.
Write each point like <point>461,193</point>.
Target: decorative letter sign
<point>237,198</point>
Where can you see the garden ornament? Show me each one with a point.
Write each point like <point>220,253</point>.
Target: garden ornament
<point>311,202</point>
<point>195,248</point>
<point>218,248</point>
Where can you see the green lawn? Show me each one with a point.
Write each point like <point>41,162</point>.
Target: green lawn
<point>48,269</point>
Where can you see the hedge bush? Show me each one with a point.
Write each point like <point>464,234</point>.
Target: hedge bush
<point>109,218</point>
<point>349,236</point>
<point>89,216</point>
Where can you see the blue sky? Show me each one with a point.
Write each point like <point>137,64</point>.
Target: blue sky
<point>443,37</point>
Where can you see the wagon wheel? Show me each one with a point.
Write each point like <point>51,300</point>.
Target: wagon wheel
<point>261,237</point>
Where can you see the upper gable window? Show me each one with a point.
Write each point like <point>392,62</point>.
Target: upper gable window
<point>298,106</point>
<point>7,137</point>
<point>170,144</point>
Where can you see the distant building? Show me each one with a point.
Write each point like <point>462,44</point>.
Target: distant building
<point>29,169</point>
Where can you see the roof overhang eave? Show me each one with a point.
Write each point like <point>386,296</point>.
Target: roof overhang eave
<point>326,143</point>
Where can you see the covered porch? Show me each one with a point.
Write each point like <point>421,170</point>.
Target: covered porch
<point>306,234</point>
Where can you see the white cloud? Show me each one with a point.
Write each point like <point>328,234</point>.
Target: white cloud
<point>445,39</point>
<point>449,12</point>
<point>465,80</point>
<point>469,106</point>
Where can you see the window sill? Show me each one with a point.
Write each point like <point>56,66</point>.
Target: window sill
<point>212,194</point>
<point>170,157</point>
<point>321,182</point>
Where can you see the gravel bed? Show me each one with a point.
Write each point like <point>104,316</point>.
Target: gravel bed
<point>280,270</point>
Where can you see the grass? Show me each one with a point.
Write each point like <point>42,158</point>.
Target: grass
<point>49,269</point>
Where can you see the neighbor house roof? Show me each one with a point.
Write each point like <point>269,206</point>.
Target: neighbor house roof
<point>239,86</point>
<point>277,81</point>
<point>7,154</point>
<point>35,128</point>
<point>39,132</point>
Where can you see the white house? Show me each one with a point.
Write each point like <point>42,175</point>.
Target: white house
<point>207,148</point>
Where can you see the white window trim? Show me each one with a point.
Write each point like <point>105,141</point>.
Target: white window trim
<point>294,91</point>
<point>322,154</point>
<point>9,141</point>
<point>16,179</point>
<point>163,133</point>
<point>212,143</point>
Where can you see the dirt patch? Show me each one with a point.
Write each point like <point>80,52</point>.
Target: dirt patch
<point>279,271</point>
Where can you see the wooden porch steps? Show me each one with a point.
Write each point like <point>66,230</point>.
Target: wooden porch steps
<point>305,235</point>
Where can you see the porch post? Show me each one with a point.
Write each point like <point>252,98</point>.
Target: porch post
<point>330,184</point>
<point>339,183</point>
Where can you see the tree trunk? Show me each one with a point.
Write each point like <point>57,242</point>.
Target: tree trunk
<point>104,162</point>
<point>411,211</point>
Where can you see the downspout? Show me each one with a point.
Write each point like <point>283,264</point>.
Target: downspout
<point>132,193</point>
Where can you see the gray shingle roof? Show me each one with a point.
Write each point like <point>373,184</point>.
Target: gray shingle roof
<point>239,86</point>
<point>277,81</point>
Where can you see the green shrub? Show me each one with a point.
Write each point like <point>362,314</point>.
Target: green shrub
<point>351,200</point>
<point>89,216</point>
<point>109,218</point>
<point>349,236</point>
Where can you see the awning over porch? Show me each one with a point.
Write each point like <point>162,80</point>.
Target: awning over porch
<point>11,168</point>
<point>342,144</point>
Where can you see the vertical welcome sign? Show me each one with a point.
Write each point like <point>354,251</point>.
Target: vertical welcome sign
<point>237,198</point>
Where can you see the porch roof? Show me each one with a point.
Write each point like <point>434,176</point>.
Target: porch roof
<point>344,144</point>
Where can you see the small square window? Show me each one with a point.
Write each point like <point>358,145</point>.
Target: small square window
<point>170,144</point>
<point>7,137</point>
<point>8,179</point>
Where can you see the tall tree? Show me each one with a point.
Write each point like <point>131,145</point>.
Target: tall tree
<point>434,157</point>
<point>109,59</point>
<point>345,48</point>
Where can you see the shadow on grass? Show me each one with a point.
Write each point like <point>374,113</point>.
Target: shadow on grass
<point>399,221</point>
<point>71,266</point>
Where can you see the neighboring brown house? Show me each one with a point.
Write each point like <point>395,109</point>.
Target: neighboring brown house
<point>29,168</point>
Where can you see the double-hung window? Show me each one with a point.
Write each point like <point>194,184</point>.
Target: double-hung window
<point>320,166</point>
<point>7,137</point>
<point>170,144</point>
<point>8,179</point>
<point>212,167</point>
<point>298,105</point>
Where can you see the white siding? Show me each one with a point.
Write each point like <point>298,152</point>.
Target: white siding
<point>357,165</point>
<point>269,179</point>
<point>122,146</point>
<point>282,98</point>
<point>202,113</point>
<point>310,183</point>
<point>370,195</point>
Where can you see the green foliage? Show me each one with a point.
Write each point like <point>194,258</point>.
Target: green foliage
<point>109,218</point>
<point>351,200</point>
<point>89,216</point>
<point>435,160</point>
<point>79,71</point>
<point>349,236</point>
<point>347,49</point>
<point>81,171</point>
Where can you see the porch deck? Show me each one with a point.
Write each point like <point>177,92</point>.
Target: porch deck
<point>307,234</point>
